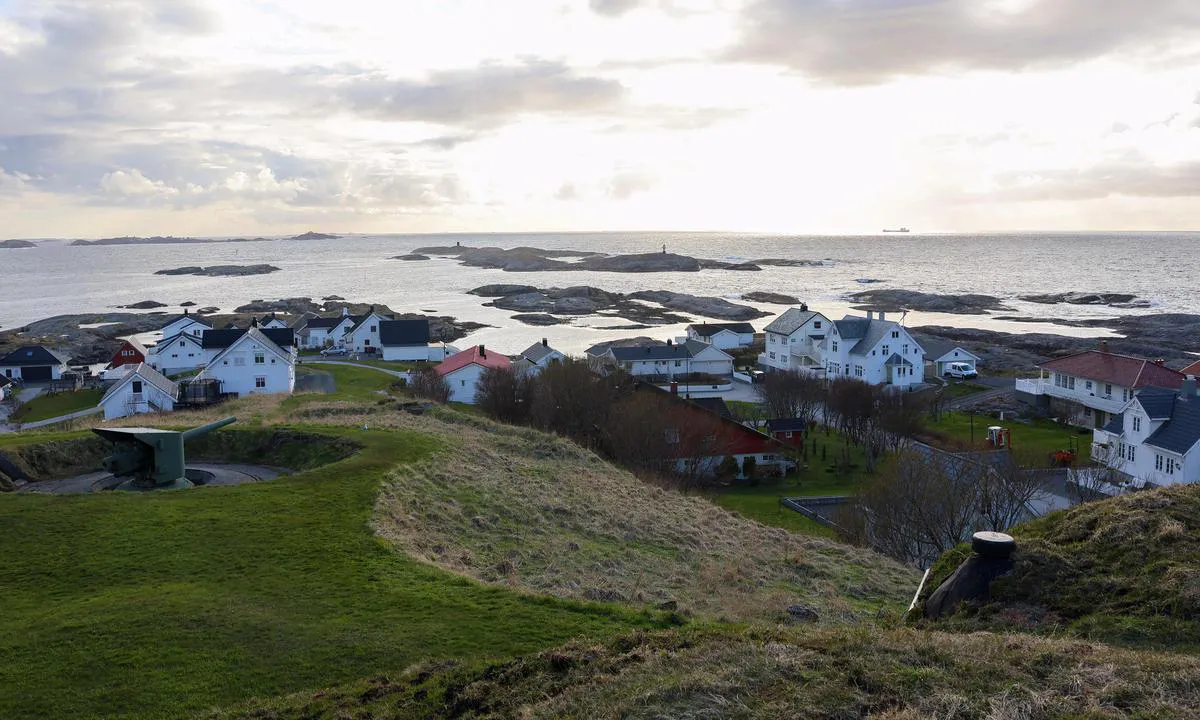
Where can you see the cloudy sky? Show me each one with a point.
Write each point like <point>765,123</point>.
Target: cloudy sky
<point>246,116</point>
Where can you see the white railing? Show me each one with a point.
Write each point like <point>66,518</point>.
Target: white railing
<point>1094,400</point>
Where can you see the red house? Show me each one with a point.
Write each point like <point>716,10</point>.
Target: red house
<point>789,431</point>
<point>132,352</point>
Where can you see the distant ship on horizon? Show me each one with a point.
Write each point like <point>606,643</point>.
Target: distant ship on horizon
<point>903,229</point>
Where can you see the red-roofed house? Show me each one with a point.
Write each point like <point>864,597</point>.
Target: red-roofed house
<point>1088,388</point>
<point>1193,369</point>
<point>132,352</point>
<point>463,370</point>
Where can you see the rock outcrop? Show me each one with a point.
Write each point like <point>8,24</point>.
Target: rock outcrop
<point>221,270</point>
<point>17,244</point>
<point>530,259</point>
<point>310,235</point>
<point>893,299</point>
<point>539,319</point>
<point>144,305</point>
<point>1111,299</point>
<point>586,300</point>
<point>411,256</point>
<point>770,297</point>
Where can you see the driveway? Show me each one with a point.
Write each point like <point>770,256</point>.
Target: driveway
<point>393,373</point>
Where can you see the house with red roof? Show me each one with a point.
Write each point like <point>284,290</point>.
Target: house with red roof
<point>131,352</point>
<point>462,371</point>
<point>1193,369</point>
<point>1090,387</point>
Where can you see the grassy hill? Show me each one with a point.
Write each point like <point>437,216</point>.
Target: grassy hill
<point>1123,570</point>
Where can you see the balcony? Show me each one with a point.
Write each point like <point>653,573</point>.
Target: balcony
<point>1097,401</point>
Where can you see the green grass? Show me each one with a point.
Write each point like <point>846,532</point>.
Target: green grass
<point>164,604</point>
<point>957,390</point>
<point>353,383</point>
<point>44,407</point>
<point>1032,441</point>
<point>762,504</point>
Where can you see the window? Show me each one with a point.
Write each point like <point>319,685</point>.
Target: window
<point>858,371</point>
<point>137,387</point>
<point>191,354</point>
<point>1137,424</point>
<point>259,358</point>
<point>895,334</point>
<point>1088,385</point>
<point>772,355</point>
<point>462,383</point>
<point>1108,389</point>
<point>372,328</point>
<point>886,349</point>
<point>787,433</point>
<point>239,360</point>
<point>771,338</point>
<point>833,346</point>
<point>678,363</point>
<point>174,354</point>
<point>1159,462</point>
<point>1132,454</point>
<point>1171,466</point>
<point>768,458</point>
<point>904,349</point>
<point>260,382</point>
<point>817,324</point>
<point>784,359</point>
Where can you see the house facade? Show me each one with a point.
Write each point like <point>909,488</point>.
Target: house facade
<point>363,336</point>
<point>939,355</point>
<point>33,363</point>
<point>131,352</point>
<point>180,353</point>
<point>409,340</point>
<point>271,322</point>
<point>142,390</point>
<point>873,349</point>
<point>462,371</point>
<point>253,364</point>
<point>793,340</point>
<point>725,336</point>
<point>540,355</point>
<point>5,387</point>
<point>672,361</point>
<point>1090,387</point>
<point>320,332</point>
<point>1155,439</point>
<point>187,324</point>
<point>789,431</point>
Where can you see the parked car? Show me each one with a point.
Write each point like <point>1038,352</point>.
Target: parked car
<point>334,352</point>
<point>757,376</point>
<point>962,370</point>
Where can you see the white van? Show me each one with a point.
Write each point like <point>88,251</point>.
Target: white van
<point>960,370</point>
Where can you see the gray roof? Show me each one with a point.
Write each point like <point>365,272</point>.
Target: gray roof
<point>188,316</point>
<point>710,329</point>
<point>1157,402</point>
<point>937,349</point>
<point>1115,424</point>
<point>787,424</point>
<point>221,339</point>
<point>895,359</point>
<point>714,405</point>
<point>677,351</point>
<point>1182,431</point>
<point>867,332</point>
<point>537,351</point>
<point>148,375</point>
<point>790,321</point>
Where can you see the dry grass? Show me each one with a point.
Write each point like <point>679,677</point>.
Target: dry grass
<point>517,507</point>
<point>781,673</point>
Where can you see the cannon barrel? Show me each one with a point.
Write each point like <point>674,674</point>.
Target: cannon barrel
<point>206,429</point>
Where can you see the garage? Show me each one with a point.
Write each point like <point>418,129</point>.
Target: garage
<point>35,373</point>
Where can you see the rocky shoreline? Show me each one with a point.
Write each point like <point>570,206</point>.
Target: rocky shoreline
<point>531,259</point>
<point>542,306</point>
<point>221,270</point>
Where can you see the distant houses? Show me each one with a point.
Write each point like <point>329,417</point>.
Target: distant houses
<point>142,390</point>
<point>33,363</point>
<point>940,355</point>
<point>187,324</point>
<point>462,371</point>
<point>1090,387</point>
<point>318,333</point>
<point>251,362</point>
<point>539,355</point>
<point>131,352</point>
<point>793,341</point>
<point>724,336</point>
<point>671,362</point>
<point>178,353</point>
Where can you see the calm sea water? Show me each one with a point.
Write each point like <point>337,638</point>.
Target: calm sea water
<point>55,278</point>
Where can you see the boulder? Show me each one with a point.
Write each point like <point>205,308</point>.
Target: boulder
<point>221,270</point>
<point>143,305</point>
<point>895,299</point>
<point>770,297</point>
<point>538,319</point>
<point>411,256</point>
<point>17,244</point>
<point>501,290</point>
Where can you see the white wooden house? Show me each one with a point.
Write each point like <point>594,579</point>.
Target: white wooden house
<point>463,370</point>
<point>321,332</point>
<point>539,355</point>
<point>672,361</point>
<point>141,390</point>
<point>363,336</point>
<point>874,350</point>
<point>723,335</point>
<point>793,340</point>
<point>33,363</point>
<point>1155,439</point>
<point>408,339</point>
<point>939,354</point>
<point>179,353</point>
<point>252,364</point>
<point>187,324</point>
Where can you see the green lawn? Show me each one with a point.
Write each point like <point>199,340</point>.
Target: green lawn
<point>353,383</point>
<point>1031,441</point>
<point>44,407</point>
<point>167,604</point>
<point>956,390</point>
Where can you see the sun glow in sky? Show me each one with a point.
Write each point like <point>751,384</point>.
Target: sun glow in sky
<point>252,116</point>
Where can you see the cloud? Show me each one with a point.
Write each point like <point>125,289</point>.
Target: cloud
<point>626,184</point>
<point>613,8</point>
<point>1128,177</point>
<point>857,42</point>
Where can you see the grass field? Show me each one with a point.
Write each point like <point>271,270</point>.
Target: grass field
<point>963,389</point>
<point>44,407</point>
<point>1032,441</point>
<point>158,605</point>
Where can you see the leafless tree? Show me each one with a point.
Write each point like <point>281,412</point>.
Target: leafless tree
<point>1089,482</point>
<point>851,406</point>
<point>429,385</point>
<point>792,394</point>
<point>899,416</point>
<point>1007,489</point>
<point>504,394</point>
<point>569,399</point>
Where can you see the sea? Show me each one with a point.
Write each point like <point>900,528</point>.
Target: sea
<point>56,278</point>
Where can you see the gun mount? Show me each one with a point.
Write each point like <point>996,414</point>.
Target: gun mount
<point>153,459</point>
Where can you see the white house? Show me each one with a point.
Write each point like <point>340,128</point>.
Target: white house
<point>1088,388</point>
<point>215,342</point>
<point>1156,437</point>
<point>793,341</point>
<point>179,353</point>
<point>5,385</point>
<point>271,322</point>
<point>33,363</point>
<point>462,371</point>
<point>673,361</point>
<point>539,355</point>
<point>723,335</point>
<point>409,340</point>
<point>142,390</point>
<point>874,350</point>
<point>363,336</point>
<point>321,332</point>
<point>253,364</point>
<point>939,354</point>
<point>186,323</point>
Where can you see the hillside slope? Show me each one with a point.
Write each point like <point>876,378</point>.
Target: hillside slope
<point>521,508</point>
<point>1121,570</point>
<point>777,673</point>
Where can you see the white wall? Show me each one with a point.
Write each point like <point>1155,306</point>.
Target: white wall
<point>463,383</point>
<point>121,403</point>
<point>419,353</point>
<point>364,336</point>
<point>314,338</point>
<point>14,372</point>
<point>181,355</point>
<point>189,325</point>
<point>238,371</point>
<point>725,339</point>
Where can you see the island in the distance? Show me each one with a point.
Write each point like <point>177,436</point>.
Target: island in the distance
<point>531,259</point>
<point>310,235</point>
<point>538,306</point>
<point>221,270</point>
<point>17,244</point>
<point>160,240</point>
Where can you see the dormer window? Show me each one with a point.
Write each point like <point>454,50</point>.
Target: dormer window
<point>896,334</point>
<point>1137,424</point>
<point>817,324</point>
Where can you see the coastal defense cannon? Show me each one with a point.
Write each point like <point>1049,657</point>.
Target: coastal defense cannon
<point>152,459</point>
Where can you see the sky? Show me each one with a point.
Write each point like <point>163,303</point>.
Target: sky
<point>238,117</point>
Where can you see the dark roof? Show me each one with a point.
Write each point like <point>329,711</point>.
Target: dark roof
<point>537,351</point>
<point>897,360</point>
<point>188,316</point>
<point>710,329</point>
<point>790,321</point>
<point>221,339</point>
<point>787,425</point>
<point>1157,402</point>
<point>32,355</point>
<point>393,333</point>
<point>937,349</point>
<point>4,381</point>
<point>714,405</point>
<point>324,322</point>
<point>1115,424</point>
<point>1182,431</point>
<point>675,351</point>
<point>1124,370</point>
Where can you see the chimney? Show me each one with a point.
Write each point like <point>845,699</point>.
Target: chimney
<point>882,316</point>
<point>870,314</point>
<point>545,343</point>
<point>674,388</point>
<point>185,311</point>
<point>1104,345</point>
<point>345,311</point>
<point>1160,362</point>
<point>482,351</point>
<point>670,342</point>
<point>803,307</point>
<point>1188,389</point>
